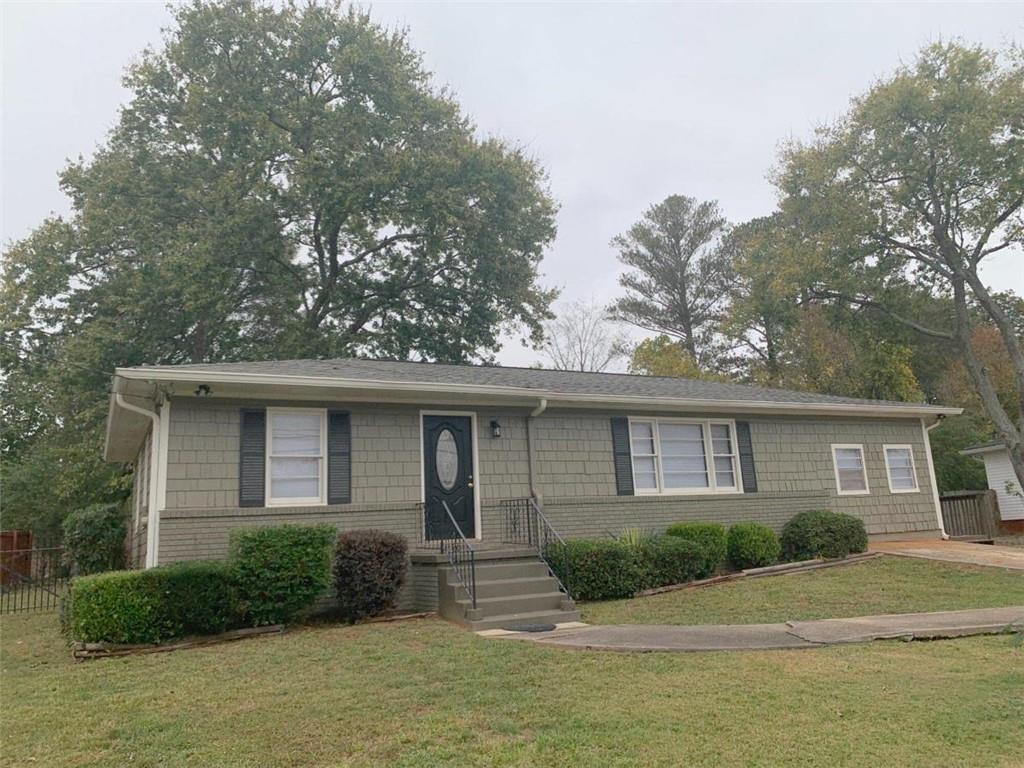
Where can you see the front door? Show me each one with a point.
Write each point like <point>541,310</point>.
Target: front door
<point>448,475</point>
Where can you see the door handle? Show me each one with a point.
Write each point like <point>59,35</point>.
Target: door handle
<point>469,484</point>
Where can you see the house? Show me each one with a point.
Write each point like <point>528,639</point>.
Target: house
<point>483,460</point>
<point>1003,480</point>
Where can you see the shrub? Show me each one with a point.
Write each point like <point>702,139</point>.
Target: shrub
<point>710,537</point>
<point>281,570</point>
<point>152,606</point>
<point>669,560</point>
<point>821,533</point>
<point>752,545</point>
<point>94,538</point>
<point>369,569</point>
<point>597,569</point>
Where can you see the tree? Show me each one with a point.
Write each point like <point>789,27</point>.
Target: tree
<point>917,185</point>
<point>765,296</point>
<point>583,338</point>
<point>664,356</point>
<point>679,281</point>
<point>284,181</point>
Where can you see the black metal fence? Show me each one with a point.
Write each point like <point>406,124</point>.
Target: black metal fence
<point>32,578</point>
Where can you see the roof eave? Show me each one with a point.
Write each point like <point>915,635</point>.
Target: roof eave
<point>519,394</point>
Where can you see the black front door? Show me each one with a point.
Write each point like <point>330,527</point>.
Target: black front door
<point>448,475</point>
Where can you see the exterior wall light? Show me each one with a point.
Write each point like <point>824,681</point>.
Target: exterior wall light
<point>495,428</point>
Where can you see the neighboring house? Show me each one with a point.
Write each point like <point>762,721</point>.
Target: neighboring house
<point>400,446</point>
<point>1003,480</point>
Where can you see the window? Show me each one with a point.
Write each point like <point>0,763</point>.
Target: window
<point>899,465</point>
<point>683,456</point>
<point>849,465</point>
<point>295,456</point>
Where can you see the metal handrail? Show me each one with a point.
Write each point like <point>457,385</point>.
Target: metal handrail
<point>524,519</point>
<point>461,556</point>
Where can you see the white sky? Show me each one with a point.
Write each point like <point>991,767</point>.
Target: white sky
<point>624,104</point>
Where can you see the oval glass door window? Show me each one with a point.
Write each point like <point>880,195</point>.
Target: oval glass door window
<point>446,458</point>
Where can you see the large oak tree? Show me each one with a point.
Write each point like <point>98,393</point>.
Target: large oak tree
<point>913,189</point>
<point>285,181</point>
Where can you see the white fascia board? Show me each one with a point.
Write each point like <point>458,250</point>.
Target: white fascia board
<point>555,399</point>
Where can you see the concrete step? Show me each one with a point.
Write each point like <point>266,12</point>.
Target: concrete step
<point>498,606</point>
<point>511,569</point>
<point>513,620</point>
<point>533,585</point>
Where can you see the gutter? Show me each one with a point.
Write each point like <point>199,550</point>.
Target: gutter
<point>925,430</point>
<point>541,407</point>
<point>554,397</point>
<point>155,475</point>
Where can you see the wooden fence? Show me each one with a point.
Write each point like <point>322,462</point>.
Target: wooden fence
<point>970,514</point>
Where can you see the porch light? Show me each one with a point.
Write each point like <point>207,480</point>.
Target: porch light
<point>495,428</point>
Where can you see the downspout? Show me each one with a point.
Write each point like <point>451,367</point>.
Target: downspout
<point>541,407</point>
<point>153,517</point>
<point>931,472</point>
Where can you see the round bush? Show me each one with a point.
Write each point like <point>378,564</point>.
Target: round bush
<point>667,560</point>
<point>752,545</point>
<point>710,537</point>
<point>94,538</point>
<point>821,533</point>
<point>369,569</point>
<point>597,569</point>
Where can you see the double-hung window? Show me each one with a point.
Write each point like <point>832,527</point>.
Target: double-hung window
<point>296,445</point>
<point>683,456</point>
<point>848,462</point>
<point>899,466</point>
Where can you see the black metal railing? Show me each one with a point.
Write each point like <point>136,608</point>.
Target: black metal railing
<point>525,524</point>
<point>32,579</point>
<point>461,556</point>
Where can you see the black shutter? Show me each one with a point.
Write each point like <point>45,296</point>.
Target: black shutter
<point>252,461</point>
<point>339,458</point>
<point>623,457</point>
<point>746,451</point>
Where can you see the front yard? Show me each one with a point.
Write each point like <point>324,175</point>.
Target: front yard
<point>883,585</point>
<point>425,693</point>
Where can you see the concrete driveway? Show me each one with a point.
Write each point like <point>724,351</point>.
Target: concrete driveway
<point>954,552</point>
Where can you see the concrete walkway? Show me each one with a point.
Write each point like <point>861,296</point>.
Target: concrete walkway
<point>954,552</point>
<point>794,634</point>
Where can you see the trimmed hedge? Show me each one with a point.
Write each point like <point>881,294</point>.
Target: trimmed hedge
<point>610,569</point>
<point>597,569</point>
<point>281,570</point>
<point>752,545</point>
<point>712,539</point>
<point>821,533</point>
<point>152,606</point>
<point>94,538</point>
<point>669,560</point>
<point>369,569</point>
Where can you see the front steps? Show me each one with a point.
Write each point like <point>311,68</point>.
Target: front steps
<point>514,588</point>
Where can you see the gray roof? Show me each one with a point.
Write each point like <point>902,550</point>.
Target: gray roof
<point>542,380</point>
<point>991,445</point>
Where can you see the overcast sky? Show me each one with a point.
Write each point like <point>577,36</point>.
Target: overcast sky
<point>623,104</point>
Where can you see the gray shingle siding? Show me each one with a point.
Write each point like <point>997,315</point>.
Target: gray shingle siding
<point>573,467</point>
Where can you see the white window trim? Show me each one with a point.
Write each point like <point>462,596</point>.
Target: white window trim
<point>913,467</point>
<point>863,469</point>
<point>709,458</point>
<point>316,501</point>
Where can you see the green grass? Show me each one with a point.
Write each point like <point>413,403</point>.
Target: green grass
<point>882,585</point>
<point>425,693</point>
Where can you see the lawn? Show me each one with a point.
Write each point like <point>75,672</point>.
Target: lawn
<point>883,585</point>
<point>425,693</point>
